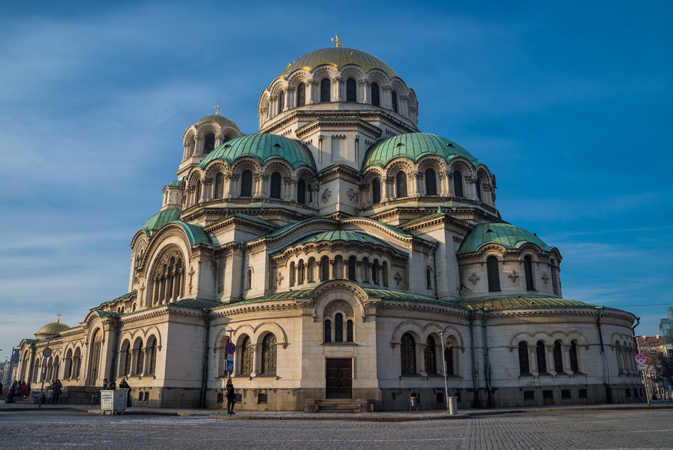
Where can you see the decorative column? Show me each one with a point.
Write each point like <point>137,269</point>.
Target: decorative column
<point>358,271</point>
<point>198,146</point>
<point>420,359</point>
<point>207,190</point>
<point>366,92</point>
<point>413,186</point>
<point>387,185</point>
<point>309,92</point>
<point>332,264</point>
<point>264,190</point>
<point>289,97</point>
<point>257,191</point>
<point>232,178</point>
<point>386,97</point>
<point>291,184</point>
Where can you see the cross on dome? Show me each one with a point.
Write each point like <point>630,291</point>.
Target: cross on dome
<point>338,44</point>
<point>218,109</point>
<point>58,318</point>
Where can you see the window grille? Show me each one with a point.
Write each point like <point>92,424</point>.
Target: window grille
<point>338,328</point>
<point>376,101</point>
<point>275,185</point>
<point>95,356</point>
<point>301,94</point>
<point>246,356</point>
<point>528,268</point>
<point>328,330</point>
<point>458,184</point>
<point>269,355</point>
<point>493,274</point>
<point>246,184</point>
<point>408,354</point>
<point>325,90</point>
<point>558,357</point>
<point>351,90</point>
<point>430,361</point>
<point>401,184</point>
<point>541,357</point>
<point>349,331</point>
<point>376,190</point>
<point>430,182</point>
<point>573,357</point>
<point>524,366</point>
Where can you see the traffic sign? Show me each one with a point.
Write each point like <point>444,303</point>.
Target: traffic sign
<point>230,348</point>
<point>230,357</point>
<point>230,366</point>
<point>640,358</point>
<point>46,352</point>
<point>642,366</point>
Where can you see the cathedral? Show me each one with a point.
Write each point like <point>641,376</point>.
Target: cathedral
<point>348,256</point>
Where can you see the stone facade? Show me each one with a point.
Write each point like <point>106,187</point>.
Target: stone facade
<point>346,254</point>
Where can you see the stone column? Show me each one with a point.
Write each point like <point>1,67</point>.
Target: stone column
<point>291,184</point>
<point>366,93</point>
<point>207,190</point>
<point>386,92</point>
<point>289,98</point>
<point>386,189</point>
<point>358,271</point>
<point>413,185</point>
<point>257,188</point>
<point>420,359</point>
<point>264,192</point>
<point>309,92</point>
<point>333,268</point>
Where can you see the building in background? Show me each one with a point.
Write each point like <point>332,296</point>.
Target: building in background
<point>347,255</point>
<point>665,331</point>
<point>653,348</point>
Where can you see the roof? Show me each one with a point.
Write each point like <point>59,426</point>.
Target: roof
<point>255,219</point>
<point>655,340</point>
<point>54,328</point>
<point>520,303</point>
<point>505,234</point>
<point>125,296</point>
<point>176,183</point>
<point>263,147</point>
<point>160,219</point>
<point>220,120</point>
<point>196,303</point>
<point>195,233</point>
<point>347,236</point>
<point>414,146</point>
<point>338,57</point>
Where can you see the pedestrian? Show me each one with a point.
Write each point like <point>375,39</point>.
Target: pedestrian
<point>125,385</point>
<point>1,386</point>
<point>105,383</point>
<point>24,389</point>
<point>111,386</point>
<point>56,390</point>
<point>231,398</point>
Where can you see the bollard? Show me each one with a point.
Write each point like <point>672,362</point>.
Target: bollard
<point>453,406</point>
<point>414,402</point>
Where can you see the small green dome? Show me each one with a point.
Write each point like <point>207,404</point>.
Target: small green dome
<point>220,120</point>
<point>345,236</point>
<point>263,147</point>
<point>160,219</point>
<point>53,329</point>
<point>507,235</point>
<point>413,146</point>
<point>338,57</point>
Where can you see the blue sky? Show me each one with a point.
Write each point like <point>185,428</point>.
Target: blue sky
<point>570,105</point>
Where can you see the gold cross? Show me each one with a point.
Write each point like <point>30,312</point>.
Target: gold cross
<point>58,318</point>
<point>218,109</point>
<point>338,44</point>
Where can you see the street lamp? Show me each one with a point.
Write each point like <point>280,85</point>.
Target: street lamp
<point>446,382</point>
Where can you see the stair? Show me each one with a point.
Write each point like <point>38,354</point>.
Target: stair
<point>339,406</point>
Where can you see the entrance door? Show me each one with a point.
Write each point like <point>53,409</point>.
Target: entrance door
<point>339,378</point>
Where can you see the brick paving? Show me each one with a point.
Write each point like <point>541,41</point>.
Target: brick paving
<point>562,428</point>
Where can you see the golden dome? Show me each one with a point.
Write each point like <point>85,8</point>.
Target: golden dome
<point>338,57</point>
<point>53,329</point>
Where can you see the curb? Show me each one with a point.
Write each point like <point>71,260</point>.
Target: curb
<point>487,412</point>
<point>356,418</point>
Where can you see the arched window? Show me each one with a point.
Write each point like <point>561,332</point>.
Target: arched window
<point>375,272</point>
<point>365,270</point>
<point>67,371</point>
<point>246,356</point>
<point>328,330</point>
<point>325,90</point>
<point>351,91</point>
<point>269,355</point>
<point>448,358</point>
<point>430,360</point>
<point>301,94</point>
<point>408,354</point>
<point>219,186</point>
<point>478,186</point>
<point>401,184</point>
<point>394,101</point>
<point>77,362</point>
<point>124,359</point>
<point>430,182</point>
<point>376,190</point>
<point>493,274</point>
<point>554,276</point>
<point>541,353</point>
<point>301,272</point>
<point>301,191</point>
<point>281,101</point>
<point>458,184</point>
<point>558,357</point>
<point>384,273</point>
<point>324,268</point>
<point>153,356</point>
<point>275,185</point>
<point>338,328</point>
<point>246,184</point>
<point>428,278</point>
<point>225,138</point>
<point>573,357</point>
<point>528,269</point>
<point>349,331</point>
<point>375,95</point>
<point>208,143</point>
<point>618,351</point>
<point>197,192</point>
<point>94,364</point>
<point>293,272</point>
<point>524,366</point>
<point>310,270</point>
<point>249,279</point>
<point>351,268</point>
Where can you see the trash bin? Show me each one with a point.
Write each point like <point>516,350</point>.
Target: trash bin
<point>453,406</point>
<point>414,402</point>
<point>113,400</point>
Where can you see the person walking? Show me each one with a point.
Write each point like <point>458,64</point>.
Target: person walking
<point>56,391</point>
<point>231,398</point>
<point>105,383</point>
<point>24,389</point>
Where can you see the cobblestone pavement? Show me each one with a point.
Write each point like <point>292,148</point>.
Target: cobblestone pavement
<point>640,429</point>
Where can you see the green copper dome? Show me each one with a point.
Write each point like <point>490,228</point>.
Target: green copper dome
<point>345,236</point>
<point>338,57</point>
<point>160,219</point>
<point>413,146</point>
<point>263,147</point>
<point>53,329</point>
<point>220,120</point>
<point>507,235</point>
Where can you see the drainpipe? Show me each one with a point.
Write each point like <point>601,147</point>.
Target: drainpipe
<point>114,350</point>
<point>434,271</point>
<point>204,380</point>
<point>487,366</point>
<point>475,372</point>
<point>605,364</point>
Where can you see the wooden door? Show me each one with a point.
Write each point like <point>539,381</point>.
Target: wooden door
<point>339,378</point>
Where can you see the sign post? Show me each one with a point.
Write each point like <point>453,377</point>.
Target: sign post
<point>230,349</point>
<point>641,359</point>
<point>46,353</point>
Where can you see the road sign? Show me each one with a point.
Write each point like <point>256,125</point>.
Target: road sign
<point>230,366</point>
<point>230,348</point>
<point>640,358</point>
<point>46,352</point>
<point>642,366</point>
<point>230,357</point>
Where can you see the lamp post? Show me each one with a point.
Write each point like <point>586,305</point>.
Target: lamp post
<point>446,382</point>
<point>45,354</point>
<point>230,331</point>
